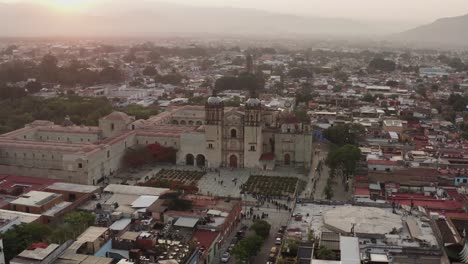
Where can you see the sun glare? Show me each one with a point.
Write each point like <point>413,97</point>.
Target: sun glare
<point>69,5</point>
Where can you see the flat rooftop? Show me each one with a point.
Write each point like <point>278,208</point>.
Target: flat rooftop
<point>10,182</point>
<point>134,190</point>
<point>366,220</point>
<point>35,198</point>
<point>38,253</point>
<point>25,218</point>
<point>72,187</point>
<point>92,234</point>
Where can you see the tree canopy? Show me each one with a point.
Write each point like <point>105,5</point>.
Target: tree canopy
<point>344,134</point>
<point>261,228</point>
<point>344,158</point>
<point>244,81</point>
<point>383,65</point>
<point>14,114</point>
<point>20,237</point>
<point>300,73</point>
<point>48,70</point>
<point>247,247</point>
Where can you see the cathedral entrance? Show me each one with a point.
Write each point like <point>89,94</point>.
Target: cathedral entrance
<point>189,160</point>
<point>233,161</point>
<point>287,159</point>
<point>201,160</point>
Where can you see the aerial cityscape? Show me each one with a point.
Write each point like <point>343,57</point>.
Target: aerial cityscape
<point>242,132</point>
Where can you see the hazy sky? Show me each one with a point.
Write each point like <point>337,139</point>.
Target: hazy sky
<point>415,10</point>
<point>389,10</point>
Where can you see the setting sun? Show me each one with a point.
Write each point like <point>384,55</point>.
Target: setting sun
<point>68,5</point>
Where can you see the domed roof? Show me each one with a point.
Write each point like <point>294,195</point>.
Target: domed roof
<point>214,100</point>
<point>252,102</point>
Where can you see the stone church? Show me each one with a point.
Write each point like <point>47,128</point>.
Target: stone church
<point>212,136</point>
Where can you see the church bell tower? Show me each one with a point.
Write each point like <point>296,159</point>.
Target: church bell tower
<point>214,116</point>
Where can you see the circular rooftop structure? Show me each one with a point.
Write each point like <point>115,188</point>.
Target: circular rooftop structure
<point>367,221</point>
<point>214,100</point>
<point>252,102</point>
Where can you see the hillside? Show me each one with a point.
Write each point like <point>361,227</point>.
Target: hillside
<point>443,32</point>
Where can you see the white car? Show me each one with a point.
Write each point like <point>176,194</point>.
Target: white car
<point>278,241</point>
<point>225,257</point>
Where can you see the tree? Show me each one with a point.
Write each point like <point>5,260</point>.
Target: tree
<point>33,87</point>
<point>135,158</point>
<point>140,112</point>
<point>345,159</point>
<point>111,75</point>
<point>150,71</point>
<point>302,116</point>
<point>464,135</point>
<point>244,81</point>
<point>300,73</point>
<point>174,202</point>
<point>344,134</point>
<point>49,68</point>
<point>368,98</point>
<point>79,218</point>
<point>19,238</point>
<point>392,83</point>
<point>342,76</point>
<point>380,64</point>
<point>173,78</point>
<point>422,91</point>
<point>328,191</point>
<point>261,228</point>
<point>325,253</point>
<point>154,56</point>
<point>247,247</point>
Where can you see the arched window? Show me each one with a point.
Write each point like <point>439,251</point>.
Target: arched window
<point>233,133</point>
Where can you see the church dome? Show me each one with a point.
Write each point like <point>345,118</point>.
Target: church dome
<point>215,100</point>
<point>252,102</point>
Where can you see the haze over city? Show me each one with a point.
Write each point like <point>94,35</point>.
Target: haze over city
<point>233,132</point>
<point>315,17</point>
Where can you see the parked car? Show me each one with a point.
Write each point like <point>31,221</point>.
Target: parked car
<point>225,257</point>
<point>240,234</point>
<point>278,241</point>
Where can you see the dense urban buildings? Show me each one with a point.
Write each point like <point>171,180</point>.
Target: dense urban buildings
<point>210,149</point>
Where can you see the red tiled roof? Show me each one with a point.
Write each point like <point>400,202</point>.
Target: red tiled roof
<point>205,237</point>
<point>8,182</point>
<point>447,205</point>
<point>38,245</point>
<point>361,192</point>
<point>382,162</point>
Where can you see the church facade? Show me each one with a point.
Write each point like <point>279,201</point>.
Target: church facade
<point>204,136</point>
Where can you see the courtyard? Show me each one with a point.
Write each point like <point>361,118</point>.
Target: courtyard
<point>271,186</point>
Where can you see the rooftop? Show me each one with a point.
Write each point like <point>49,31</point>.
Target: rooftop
<point>38,253</point>
<point>134,190</point>
<point>92,234</point>
<point>366,220</point>
<point>25,218</point>
<point>71,187</point>
<point>35,198</point>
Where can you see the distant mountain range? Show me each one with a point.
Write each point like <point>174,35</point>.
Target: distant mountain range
<point>451,31</point>
<point>124,18</point>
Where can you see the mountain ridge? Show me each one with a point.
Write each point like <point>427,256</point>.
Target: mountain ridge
<point>445,31</point>
<point>163,18</point>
